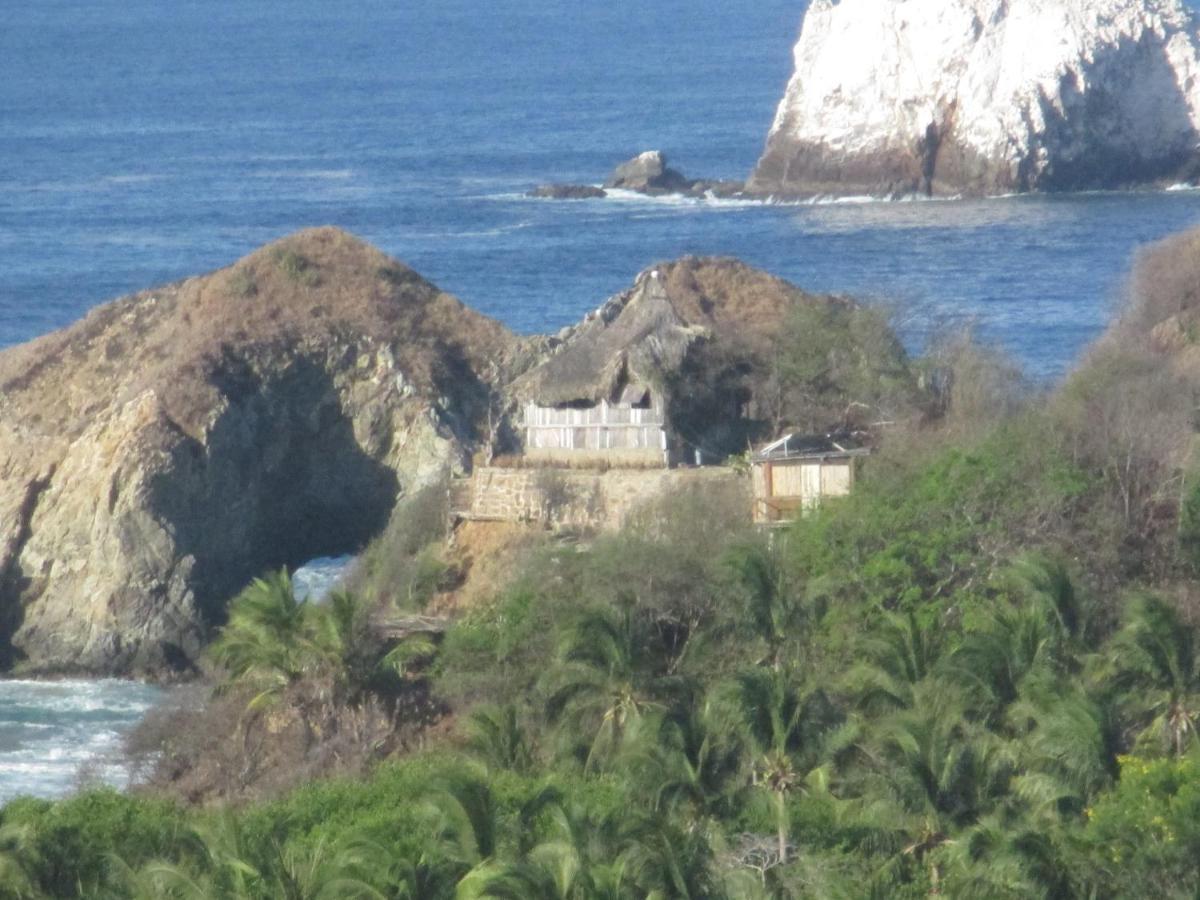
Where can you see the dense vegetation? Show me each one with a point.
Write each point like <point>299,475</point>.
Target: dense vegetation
<point>978,676</point>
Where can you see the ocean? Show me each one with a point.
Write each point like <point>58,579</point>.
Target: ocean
<point>142,142</point>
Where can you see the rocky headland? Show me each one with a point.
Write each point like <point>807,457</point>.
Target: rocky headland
<point>170,446</point>
<point>949,97</point>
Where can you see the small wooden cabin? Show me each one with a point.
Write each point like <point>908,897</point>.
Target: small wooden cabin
<point>796,472</point>
<point>629,430</point>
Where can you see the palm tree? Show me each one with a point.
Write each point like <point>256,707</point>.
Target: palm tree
<point>994,858</point>
<point>226,867</point>
<point>325,871</point>
<point>1046,583</point>
<point>349,654</point>
<point>937,773</point>
<point>602,684</point>
<point>1013,644</point>
<point>224,856</point>
<point>1034,637</point>
<point>1153,658</point>
<point>338,633</point>
<point>687,764</point>
<point>664,860</point>
<point>265,642</point>
<point>158,880</point>
<point>770,607</point>
<point>508,881</point>
<point>900,654</point>
<point>222,866</point>
<point>1068,744</point>
<point>466,818</point>
<point>577,858</point>
<point>495,736</point>
<point>467,822</point>
<point>789,733</point>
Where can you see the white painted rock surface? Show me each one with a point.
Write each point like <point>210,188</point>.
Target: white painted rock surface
<point>986,97</point>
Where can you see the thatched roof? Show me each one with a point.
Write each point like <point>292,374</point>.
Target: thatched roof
<point>621,350</point>
<point>711,337</point>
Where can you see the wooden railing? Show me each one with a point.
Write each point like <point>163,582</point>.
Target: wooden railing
<point>399,627</point>
<point>777,509</point>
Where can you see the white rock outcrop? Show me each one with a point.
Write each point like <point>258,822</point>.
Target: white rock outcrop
<point>987,96</point>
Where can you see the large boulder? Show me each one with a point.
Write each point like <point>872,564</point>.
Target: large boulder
<point>648,173</point>
<point>175,443</point>
<point>953,97</point>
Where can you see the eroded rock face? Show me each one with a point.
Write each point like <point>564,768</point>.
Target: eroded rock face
<point>986,97</point>
<point>173,444</point>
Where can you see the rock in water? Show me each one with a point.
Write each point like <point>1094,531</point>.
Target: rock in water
<point>985,97</point>
<point>567,192</point>
<point>171,445</point>
<point>648,173</point>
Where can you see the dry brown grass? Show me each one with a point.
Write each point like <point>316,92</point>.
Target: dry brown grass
<point>313,292</point>
<point>487,555</point>
<point>217,750</point>
<point>1165,282</point>
<point>732,298</point>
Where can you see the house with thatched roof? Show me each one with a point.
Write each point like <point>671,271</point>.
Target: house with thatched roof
<point>603,397</point>
<point>698,359</point>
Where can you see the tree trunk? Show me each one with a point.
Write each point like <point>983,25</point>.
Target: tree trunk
<point>781,826</point>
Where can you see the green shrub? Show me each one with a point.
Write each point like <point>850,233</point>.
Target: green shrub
<point>297,267</point>
<point>242,284</point>
<point>1189,524</point>
<point>925,530</point>
<point>1143,836</point>
<point>404,564</point>
<point>70,843</point>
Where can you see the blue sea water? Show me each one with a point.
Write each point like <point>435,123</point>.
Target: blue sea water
<point>57,735</point>
<point>141,142</point>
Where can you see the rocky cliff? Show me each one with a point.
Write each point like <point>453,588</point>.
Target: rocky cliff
<point>172,444</point>
<point>985,97</point>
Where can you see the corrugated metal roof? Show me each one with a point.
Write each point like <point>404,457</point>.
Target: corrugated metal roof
<point>823,446</point>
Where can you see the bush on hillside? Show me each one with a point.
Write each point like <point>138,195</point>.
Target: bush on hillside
<point>404,565</point>
<point>1127,418</point>
<point>1165,282</point>
<point>970,386</point>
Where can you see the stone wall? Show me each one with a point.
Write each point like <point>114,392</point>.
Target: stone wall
<point>574,497</point>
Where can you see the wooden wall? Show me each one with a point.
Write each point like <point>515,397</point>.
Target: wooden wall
<point>625,433</point>
<point>784,488</point>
